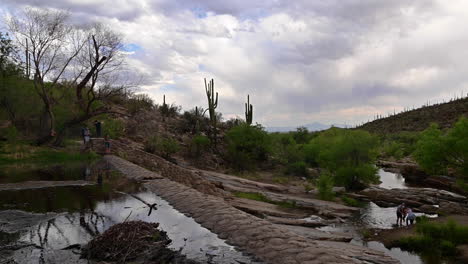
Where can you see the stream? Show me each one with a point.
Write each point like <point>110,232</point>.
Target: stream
<point>372,216</point>
<point>50,219</point>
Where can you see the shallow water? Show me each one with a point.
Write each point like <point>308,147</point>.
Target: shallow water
<point>85,211</point>
<point>372,216</point>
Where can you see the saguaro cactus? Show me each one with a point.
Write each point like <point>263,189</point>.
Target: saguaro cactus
<point>248,111</point>
<point>212,105</point>
<point>164,109</point>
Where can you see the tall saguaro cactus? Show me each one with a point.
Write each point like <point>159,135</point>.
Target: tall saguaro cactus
<point>212,105</point>
<point>248,111</point>
<point>164,109</point>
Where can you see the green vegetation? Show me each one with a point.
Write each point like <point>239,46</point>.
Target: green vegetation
<point>262,198</point>
<point>349,155</point>
<point>21,152</point>
<point>437,152</point>
<point>351,201</point>
<point>298,168</point>
<point>165,146</point>
<point>247,146</point>
<point>439,238</point>
<point>325,185</point>
<point>199,145</point>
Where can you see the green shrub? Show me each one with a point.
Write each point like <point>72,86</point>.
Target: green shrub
<point>301,135</point>
<point>139,102</point>
<point>440,238</point>
<point>392,149</point>
<point>199,145</point>
<point>436,152</point>
<point>298,168</point>
<point>10,133</point>
<point>165,146</point>
<point>284,149</point>
<point>351,201</point>
<point>247,146</point>
<point>325,185</point>
<point>348,154</point>
<point>114,128</point>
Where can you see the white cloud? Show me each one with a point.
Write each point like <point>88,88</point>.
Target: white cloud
<point>302,61</point>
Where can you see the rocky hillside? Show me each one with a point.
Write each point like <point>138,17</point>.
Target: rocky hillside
<point>445,115</point>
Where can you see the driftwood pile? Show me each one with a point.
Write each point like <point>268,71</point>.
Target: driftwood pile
<point>135,241</point>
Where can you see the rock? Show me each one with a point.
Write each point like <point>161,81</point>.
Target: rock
<point>428,209</point>
<point>323,208</point>
<point>421,199</point>
<point>452,208</point>
<point>307,222</point>
<point>254,235</point>
<point>260,209</point>
<point>319,235</point>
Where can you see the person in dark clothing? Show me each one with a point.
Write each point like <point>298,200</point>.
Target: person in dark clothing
<point>98,124</point>
<point>401,214</point>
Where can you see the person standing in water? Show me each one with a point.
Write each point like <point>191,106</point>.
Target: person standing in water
<point>400,214</point>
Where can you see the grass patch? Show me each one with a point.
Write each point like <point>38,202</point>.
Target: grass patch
<point>23,153</point>
<point>262,198</point>
<point>436,238</point>
<point>281,179</point>
<point>351,201</point>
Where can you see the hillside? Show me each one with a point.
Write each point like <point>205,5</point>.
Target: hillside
<point>445,114</point>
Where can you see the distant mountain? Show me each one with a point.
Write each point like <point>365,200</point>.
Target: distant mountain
<point>316,126</point>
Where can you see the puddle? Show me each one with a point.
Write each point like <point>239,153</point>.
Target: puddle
<point>85,211</point>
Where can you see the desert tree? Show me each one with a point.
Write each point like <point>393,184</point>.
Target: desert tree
<point>66,56</point>
<point>48,40</point>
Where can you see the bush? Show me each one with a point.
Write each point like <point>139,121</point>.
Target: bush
<point>439,238</point>
<point>247,146</point>
<point>325,185</point>
<point>194,121</point>
<point>114,128</point>
<point>430,151</point>
<point>285,150</point>
<point>348,154</point>
<point>10,133</point>
<point>164,146</point>
<point>437,152</point>
<point>298,169</point>
<point>199,145</point>
<point>139,102</point>
<point>351,201</point>
<point>169,110</point>
<point>392,149</point>
<point>301,135</point>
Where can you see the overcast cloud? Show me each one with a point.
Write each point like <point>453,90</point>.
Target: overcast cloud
<point>303,61</point>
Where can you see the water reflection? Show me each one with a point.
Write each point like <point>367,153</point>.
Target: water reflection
<point>77,228</point>
<point>87,211</point>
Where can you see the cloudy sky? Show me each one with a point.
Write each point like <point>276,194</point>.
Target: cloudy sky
<point>301,61</point>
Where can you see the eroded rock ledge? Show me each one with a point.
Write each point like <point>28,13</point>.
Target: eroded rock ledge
<point>269,242</point>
